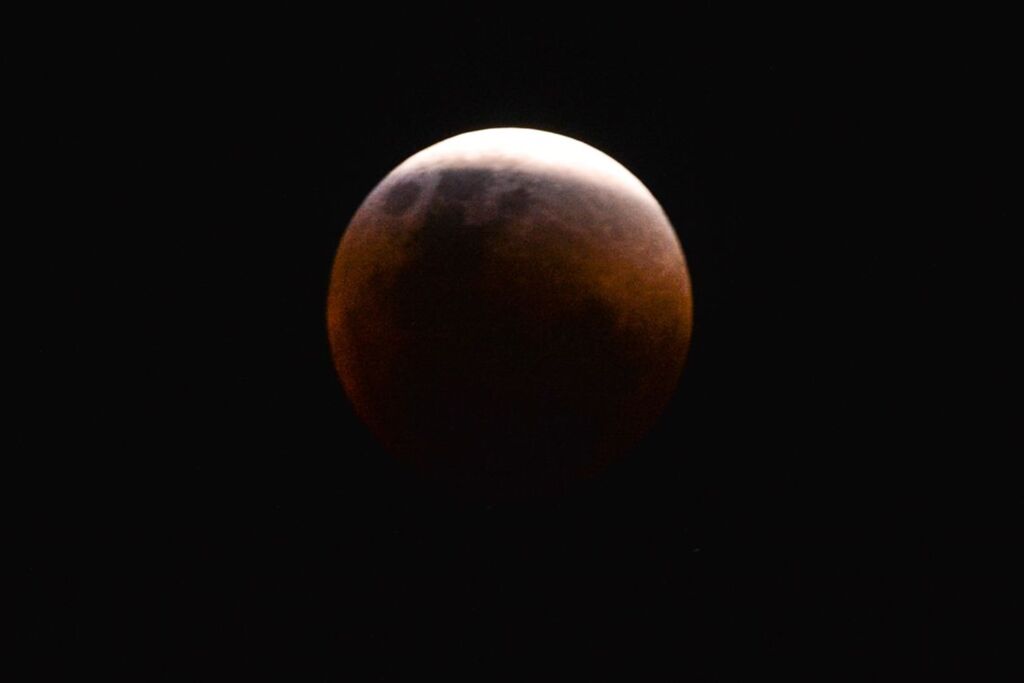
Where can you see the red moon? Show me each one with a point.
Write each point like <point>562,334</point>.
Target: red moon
<point>509,310</point>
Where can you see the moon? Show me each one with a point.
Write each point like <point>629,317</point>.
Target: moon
<point>509,311</point>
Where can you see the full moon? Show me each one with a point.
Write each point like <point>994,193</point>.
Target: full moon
<point>509,311</point>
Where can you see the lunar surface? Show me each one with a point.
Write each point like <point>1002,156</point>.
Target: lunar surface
<point>509,311</point>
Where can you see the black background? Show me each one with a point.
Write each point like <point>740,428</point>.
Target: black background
<point>817,503</point>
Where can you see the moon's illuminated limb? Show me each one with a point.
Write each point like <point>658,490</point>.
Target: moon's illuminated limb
<point>512,147</point>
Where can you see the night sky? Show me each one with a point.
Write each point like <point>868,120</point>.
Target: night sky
<point>816,504</point>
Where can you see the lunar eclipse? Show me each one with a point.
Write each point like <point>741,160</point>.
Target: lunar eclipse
<point>509,310</point>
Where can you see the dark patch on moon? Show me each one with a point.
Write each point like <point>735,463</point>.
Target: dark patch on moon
<point>463,184</point>
<point>514,203</point>
<point>403,195</point>
<point>433,286</point>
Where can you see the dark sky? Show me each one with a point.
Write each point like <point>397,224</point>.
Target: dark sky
<point>817,503</point>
